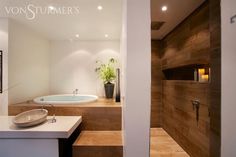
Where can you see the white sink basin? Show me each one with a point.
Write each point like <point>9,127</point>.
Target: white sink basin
<point>30,118</point>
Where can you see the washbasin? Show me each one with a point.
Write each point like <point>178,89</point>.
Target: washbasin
<point>30,118</point>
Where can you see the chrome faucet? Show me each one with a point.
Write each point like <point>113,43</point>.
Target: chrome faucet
<point>53,120</point>
<point>75,92</point>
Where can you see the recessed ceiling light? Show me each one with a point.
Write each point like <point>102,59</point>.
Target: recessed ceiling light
<point>51,7</point>
<point>99,7</point>
<point>164,8</point>
<point>77,35</point>
<point>106,35</point>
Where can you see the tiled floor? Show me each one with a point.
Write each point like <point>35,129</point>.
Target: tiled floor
<point>162,145</point>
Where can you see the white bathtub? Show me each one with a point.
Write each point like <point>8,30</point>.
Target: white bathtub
<point>65,99</point>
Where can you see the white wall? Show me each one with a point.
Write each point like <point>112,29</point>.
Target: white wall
<point>72,65</point>
<point>228,110</point>
<point>38,67</point>
<point>4,47</point>
<point>28,63</point>
<point>136,42</point>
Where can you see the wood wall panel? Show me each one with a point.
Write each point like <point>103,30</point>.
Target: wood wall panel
<point>188,44</point>
<point>157,76</point>
<point>179,118</point>
<point>215,86</point>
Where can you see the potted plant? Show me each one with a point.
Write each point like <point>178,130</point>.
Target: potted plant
<point>107,73</point>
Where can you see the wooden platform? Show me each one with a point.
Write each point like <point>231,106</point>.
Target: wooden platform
<point>99,144</point>
<point>103,114</point>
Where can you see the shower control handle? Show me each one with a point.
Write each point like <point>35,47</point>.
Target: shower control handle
<point>196,107</point>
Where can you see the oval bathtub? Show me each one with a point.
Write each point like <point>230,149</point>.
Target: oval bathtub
<point>65,99</point>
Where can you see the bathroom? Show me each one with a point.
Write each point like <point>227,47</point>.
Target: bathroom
<point>51,62</point>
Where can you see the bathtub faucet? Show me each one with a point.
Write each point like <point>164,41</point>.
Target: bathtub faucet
<point>75,92</point>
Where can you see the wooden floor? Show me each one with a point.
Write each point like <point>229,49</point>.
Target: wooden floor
<point>162,145</point>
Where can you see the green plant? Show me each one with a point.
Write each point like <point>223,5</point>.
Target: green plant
<point>106,71</point>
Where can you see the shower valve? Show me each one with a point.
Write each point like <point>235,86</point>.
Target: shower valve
<point>196,106</point>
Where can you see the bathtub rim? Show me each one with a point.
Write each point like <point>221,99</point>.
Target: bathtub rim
<point>65,102</point>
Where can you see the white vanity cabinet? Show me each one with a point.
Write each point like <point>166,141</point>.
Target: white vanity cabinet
<point>38,141</point>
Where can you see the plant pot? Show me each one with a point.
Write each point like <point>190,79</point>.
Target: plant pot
<point>109,90</point>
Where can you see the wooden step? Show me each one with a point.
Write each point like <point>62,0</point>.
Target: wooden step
<point>98,144</point>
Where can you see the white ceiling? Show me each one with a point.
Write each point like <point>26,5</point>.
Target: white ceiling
<point>90,23</point>
<point>177,11</point>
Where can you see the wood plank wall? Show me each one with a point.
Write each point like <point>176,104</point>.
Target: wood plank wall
<point>189,43</point>
<point>157,76</point>
<point>179,117</point>
<point>215,86</point>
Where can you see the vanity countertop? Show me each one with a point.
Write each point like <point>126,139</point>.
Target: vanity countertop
<point>62,128</point>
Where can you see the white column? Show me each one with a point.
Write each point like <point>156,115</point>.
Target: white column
<point>228,110</point>
<point>136,55</point>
